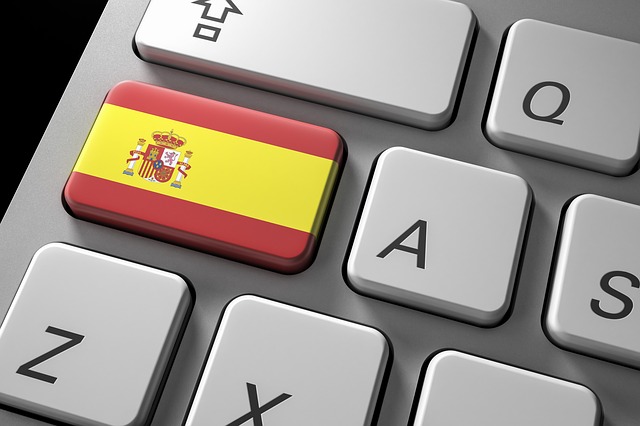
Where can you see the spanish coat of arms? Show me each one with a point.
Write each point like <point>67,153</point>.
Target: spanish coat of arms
<point>160,161</point>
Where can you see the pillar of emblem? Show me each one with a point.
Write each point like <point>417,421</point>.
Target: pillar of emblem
<point>184,165</point>
<point>135,157</point>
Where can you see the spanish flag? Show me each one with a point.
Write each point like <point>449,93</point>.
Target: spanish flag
<point>219,178</point>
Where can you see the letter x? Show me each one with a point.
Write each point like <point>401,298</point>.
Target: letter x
<point>256,410</point>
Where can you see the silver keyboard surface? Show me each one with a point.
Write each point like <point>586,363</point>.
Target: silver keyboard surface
<point>37,217</point>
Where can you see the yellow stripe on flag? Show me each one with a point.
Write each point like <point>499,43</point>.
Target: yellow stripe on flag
<point>228,172</point>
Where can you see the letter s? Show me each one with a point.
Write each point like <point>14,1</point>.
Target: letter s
<point>626,300</point>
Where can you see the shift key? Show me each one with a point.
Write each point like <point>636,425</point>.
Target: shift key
<point>345,54</point>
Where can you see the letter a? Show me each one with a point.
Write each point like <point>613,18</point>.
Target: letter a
<point>420,251</point>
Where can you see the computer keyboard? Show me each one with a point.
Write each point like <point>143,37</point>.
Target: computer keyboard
<point>314,213</point>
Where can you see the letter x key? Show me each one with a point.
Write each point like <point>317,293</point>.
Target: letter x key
<point>320,360</point>
<point>256,410</point>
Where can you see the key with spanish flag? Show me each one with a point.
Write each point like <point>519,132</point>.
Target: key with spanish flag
<point>215,177</point>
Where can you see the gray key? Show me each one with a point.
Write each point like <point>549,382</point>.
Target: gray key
<point>88,338</point>
<point>463,389</point>
<point>569,96</point>
<point>440,235</point>
<point>335,52</point>
<point>276,364</point>
<point>594,304</point>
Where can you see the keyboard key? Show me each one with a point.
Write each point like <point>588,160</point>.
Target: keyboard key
<point>440,235</point>
<point>342,54</point>
<point>569,96</point>
<point>594,304</point>
<point>210,176</point>
<point>276,364</point>
<point>89,338</point>
<point>463,389</point>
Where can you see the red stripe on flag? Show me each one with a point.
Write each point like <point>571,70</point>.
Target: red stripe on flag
<point>146,169</point>
<point>226,118</point>
<point>196,226</point>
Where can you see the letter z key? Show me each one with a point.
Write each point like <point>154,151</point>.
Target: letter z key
<point>88,339</point>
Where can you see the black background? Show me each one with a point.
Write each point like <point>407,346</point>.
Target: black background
<point>48,38</point>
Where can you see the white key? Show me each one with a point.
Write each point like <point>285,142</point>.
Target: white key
<point>594,305</point>
<point>462,389</point>
<point>88,337</point>
<point>440,235</point>
<point>275,364</point>
<point>340,53</point>
<point>568,95</point>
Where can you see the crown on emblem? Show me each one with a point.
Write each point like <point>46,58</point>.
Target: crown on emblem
<point>168,139</point>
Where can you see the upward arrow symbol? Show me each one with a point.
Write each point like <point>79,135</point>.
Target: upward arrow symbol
<point>217,11</point>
